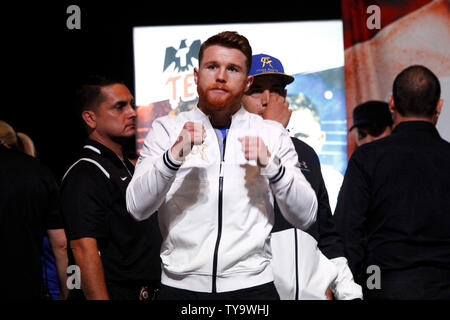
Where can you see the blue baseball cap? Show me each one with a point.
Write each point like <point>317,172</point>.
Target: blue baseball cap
<point>264,64</point>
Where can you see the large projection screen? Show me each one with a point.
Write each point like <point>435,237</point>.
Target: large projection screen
<point>311,51</point>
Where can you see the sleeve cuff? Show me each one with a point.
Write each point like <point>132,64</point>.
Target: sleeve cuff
<point>273,171</point>
<point>170,162</point>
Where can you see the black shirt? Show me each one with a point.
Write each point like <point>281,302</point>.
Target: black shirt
<point>29,206</point>
<point>393,209</point>
<point>323,230</point>
<point>93,203</point>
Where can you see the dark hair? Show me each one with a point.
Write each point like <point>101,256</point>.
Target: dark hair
<point>229,39</point>
<point>88,96</point>
<point>416,92</point>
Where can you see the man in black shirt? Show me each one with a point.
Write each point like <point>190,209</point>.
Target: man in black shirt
<point>118,257</point>
<point>29,208</point>
<point>393,208</point>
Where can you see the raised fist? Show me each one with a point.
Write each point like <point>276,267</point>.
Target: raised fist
<point>193,133</point>
<point>255,149</point>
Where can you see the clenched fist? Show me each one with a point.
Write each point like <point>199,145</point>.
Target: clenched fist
<point>255,149</point>
<point>277,109</point>
<point>192,134</point>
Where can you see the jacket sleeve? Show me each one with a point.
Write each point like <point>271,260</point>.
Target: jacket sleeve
<point>324,229</point>
<point>154,174</point>
<point>295,197</point>
<point>344,287</point>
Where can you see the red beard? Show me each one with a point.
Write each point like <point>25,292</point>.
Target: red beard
<point>217,101</point>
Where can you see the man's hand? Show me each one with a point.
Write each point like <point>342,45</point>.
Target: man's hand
<point>255,149</point>
<point>277,110</point>
<point>191,134</point>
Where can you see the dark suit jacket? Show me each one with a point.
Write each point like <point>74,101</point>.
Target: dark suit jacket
<point>393,209</point>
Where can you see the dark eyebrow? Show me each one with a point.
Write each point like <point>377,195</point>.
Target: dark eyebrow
<point>125,101</point>
<point>234,66</point>
<point>207,63</point>
<point>120,103</point>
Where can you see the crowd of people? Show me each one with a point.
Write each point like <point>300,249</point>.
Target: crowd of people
<point>217,206</point>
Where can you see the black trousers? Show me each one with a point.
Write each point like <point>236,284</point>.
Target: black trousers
<point>422,283</point>
<point>262,292</point>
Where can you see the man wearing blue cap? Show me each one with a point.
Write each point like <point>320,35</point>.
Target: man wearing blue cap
<point>307,277</point>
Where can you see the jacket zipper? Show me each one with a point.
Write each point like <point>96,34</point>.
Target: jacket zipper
<point>219,224</point>
<point>296,264</point>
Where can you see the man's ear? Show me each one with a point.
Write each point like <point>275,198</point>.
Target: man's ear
<point>89,118</point>
<point>438,110</point>
<point>391,104</point>
<point>439,107</point>
<point>249,83</point>
<point>196,76</point>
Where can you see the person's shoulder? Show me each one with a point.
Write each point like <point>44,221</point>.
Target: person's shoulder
<point>259,124</point>
<point>444,143</point>
<point>438,147</point>
<point>163,120</point>
<point>28,169</point>
<point>271,124</point>
<point>23,162</point>
<point>86,168</point>
<point>305,151</point>
<point>15,156</point>
<point>381,143</point>
<point>301,146</point>
<point>361,152</point>
<point>271,127</point>
<point>170,122</point>
<point>308,158</point>
<point>370,153</point>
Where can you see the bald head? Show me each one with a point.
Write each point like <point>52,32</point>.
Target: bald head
<point>416,92</point>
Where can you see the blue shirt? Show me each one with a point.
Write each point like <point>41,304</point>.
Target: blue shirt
<point>222,134</point>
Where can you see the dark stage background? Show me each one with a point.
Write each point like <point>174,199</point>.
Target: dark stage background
<point>45,60</point>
